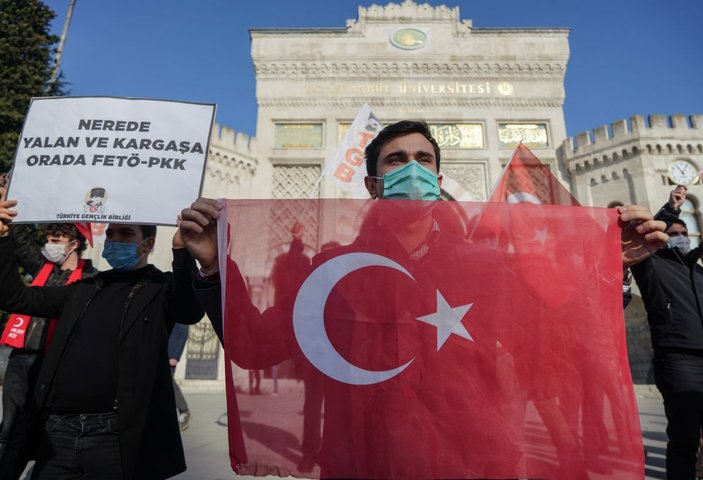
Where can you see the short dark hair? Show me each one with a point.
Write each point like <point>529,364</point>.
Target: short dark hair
<point>147,231</point>
<point>677,221</point>
<point>66,230</point>
<point>405,127</point>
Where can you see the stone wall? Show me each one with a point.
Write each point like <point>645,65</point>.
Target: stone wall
<point>450,73</point>
<point>627,162</point>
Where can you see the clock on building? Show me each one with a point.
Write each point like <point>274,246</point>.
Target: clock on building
<point>682,172</point>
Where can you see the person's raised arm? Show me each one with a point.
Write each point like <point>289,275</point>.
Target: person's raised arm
<point>15,296</point>
<point>254,339</point>
<point>183,306</point>
<point>672,208</point>
<point>198,230</point>
<point>28,254</point>
<point>7,214</point>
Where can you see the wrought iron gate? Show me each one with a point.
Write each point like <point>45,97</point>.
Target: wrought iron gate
<point>203,352</point>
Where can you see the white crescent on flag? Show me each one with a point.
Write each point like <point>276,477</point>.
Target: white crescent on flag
<point>309,319</point>
<point>522,197</point>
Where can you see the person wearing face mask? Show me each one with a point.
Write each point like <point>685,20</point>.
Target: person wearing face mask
<point>104,402</point>
<point>56,263</point>
<point>403,163</point>
<point>671,285</point>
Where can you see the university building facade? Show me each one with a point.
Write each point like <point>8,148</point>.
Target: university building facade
<point>481,90</point>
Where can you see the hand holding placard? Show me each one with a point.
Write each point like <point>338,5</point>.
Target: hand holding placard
<point>7,213</point>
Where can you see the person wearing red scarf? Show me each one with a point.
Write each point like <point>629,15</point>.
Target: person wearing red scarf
<point>55,263</point>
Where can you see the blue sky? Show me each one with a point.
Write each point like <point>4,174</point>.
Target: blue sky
<point>628,57</point>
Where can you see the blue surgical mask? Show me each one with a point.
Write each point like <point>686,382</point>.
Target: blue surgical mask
<point>412,181</point>
<point>122,256</point>
<point>682,242</point>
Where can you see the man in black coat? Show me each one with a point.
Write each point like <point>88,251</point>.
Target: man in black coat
<point>61,256</point>
<point>104,393</point>
<point>671,284</point>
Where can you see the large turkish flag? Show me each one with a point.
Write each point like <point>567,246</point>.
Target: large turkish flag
<point>406,350</point>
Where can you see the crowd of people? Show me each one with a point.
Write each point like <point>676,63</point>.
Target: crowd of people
<point>92,397</point>
<point>89,390</point>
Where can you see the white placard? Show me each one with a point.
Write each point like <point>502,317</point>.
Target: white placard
<point>105,159</point>
<point>347,166</point>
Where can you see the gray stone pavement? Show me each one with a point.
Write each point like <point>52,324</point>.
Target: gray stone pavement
<point>653,424</point>
<point>205,440</point>
<point>206,449</point>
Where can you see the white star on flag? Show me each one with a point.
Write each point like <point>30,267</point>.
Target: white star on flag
<point>541,236</point>
<point>577,261</point>
<point>447,320</point>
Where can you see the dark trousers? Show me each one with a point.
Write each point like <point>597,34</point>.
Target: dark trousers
<point>181,403</point>
<point>254,381</point>
<point>312,411</point>
<point>679,377</point>
<point>18,390</point>
<point>79,446</point>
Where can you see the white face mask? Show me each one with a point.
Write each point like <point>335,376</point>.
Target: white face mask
<point>682,242</point>
<point>56,252</point>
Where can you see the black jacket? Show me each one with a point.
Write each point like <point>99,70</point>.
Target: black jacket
<point>150,441</point>
<point>28,256</point>
<point>28,253</point>
<point>671,285</point>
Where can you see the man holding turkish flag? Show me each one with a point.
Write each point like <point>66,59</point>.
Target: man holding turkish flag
<point>425,340</point>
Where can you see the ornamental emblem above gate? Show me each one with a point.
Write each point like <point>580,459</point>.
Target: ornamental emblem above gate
<point>408,38</point>
<point>505,88</point>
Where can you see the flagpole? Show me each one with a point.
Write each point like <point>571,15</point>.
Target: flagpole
<point>505,169</point>
<point>62,42</point>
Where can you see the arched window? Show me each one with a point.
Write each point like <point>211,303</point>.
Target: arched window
<point>689,214</point>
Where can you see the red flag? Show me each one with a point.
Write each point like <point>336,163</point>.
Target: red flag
<point>413,352</point>
<point>86,230</point>
<point>526,179</point>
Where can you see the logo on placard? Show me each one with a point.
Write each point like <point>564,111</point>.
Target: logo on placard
<point>95,200</point>
<point>373,124</point>
<point>408,38</point>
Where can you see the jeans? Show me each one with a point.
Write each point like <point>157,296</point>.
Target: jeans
<point>679,377</point>
<point>79,446</point>
<point>18,390</point>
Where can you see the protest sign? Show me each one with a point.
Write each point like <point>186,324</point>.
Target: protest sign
<point>105,159</point>
<point>347,166</point>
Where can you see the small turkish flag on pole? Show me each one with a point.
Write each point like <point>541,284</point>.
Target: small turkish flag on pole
<point>526,179</point>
